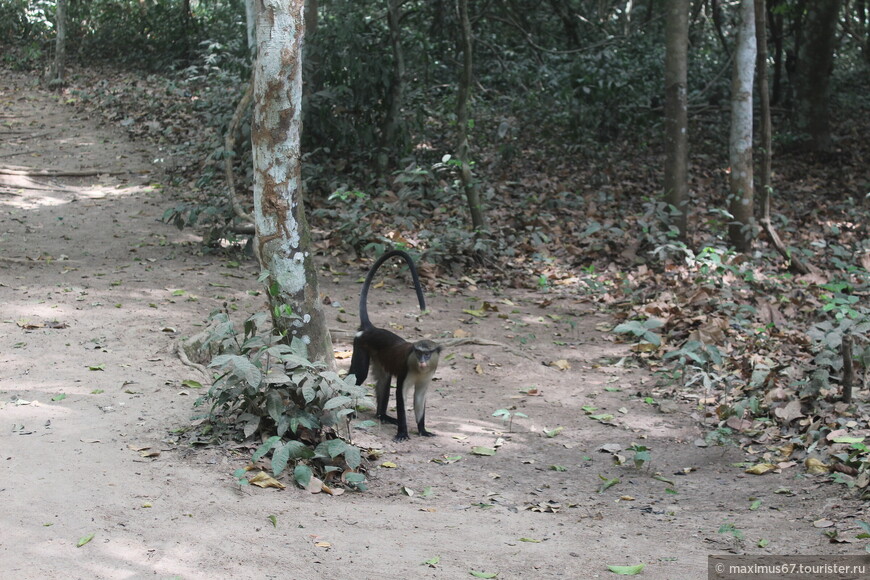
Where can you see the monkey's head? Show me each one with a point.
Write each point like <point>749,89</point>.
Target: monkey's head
<point>426,352</point>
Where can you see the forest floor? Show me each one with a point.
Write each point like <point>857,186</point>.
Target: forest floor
<point>95,293</point>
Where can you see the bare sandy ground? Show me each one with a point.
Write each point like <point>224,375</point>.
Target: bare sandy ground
<point>94,294</point>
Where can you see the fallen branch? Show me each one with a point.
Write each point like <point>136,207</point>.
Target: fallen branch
<point>58,173</point>
<point>229,150</point>
<point>452,342</point>
<point>449,342</point>
<point>848,369</point>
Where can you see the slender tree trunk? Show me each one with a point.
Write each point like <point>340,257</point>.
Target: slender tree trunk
<point>816,63</point>
<point>393,120</point>
<point>283,238</point>
<point>765,190</point>
<point>676,111</point>
<point>57,72</point>
<point>478,221</point>
<point>741,230</point>
<point>777,31</point>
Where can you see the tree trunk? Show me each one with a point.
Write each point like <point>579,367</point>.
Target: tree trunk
<point>56,73</point>
<point>283,238</point>
<point>676,111</point>
<point>777,33</point>
<point>478,222</point>
<point>816,62</point>
<point>765,190</point>
<point>741,230</point>
<point>393,120</point>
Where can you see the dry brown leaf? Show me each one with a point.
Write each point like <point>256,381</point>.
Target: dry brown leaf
<point>761,468</point>
<point>790,412</point>
<point>560,364</point>
<point>332,490</point>
<point>315,485</point>
<point>815,467</point>
<point>263,479</point>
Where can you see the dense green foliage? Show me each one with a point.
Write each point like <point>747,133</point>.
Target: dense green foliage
<point>265,385</point>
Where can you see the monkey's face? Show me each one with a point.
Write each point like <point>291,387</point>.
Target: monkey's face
<point>426,352</point>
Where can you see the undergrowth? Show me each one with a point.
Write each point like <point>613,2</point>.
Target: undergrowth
<point>268,390</point>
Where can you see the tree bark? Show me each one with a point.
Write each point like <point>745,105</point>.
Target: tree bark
<point>393,119</point>
<point>741,230</point>
<point>765,190</point>
<point>283,238</point>
<point>478,221</point>
<point>57,73</point>
<point>676,111</point>
<point>816,62</point>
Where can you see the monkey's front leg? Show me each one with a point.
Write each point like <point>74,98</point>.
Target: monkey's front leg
<point>401,419</point>
<point>420,407</point>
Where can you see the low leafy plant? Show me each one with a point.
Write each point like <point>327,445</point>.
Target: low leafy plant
<point>269,388</point>
<point>642,329</point>
<point>641,455</point>
<point>508,417</point>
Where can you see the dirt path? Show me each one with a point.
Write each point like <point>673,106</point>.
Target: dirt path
<point>80,402</point>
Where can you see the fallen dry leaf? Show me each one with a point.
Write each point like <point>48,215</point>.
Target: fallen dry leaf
<point>560,364</point>
<point>815,467</point>
<point>790,412</point>
<point>761,468</point>
<point>263,479</point>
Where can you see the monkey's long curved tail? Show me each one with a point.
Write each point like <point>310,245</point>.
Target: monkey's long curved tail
<point>363,296</point>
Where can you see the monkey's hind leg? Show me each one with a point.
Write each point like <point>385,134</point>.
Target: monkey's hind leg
<point>382,394</point>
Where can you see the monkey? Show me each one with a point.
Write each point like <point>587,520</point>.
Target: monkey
<point>412,363</point>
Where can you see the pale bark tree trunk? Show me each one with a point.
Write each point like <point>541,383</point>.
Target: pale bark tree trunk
<point>478,222</point>
<point>676,111</point>
<point>741,230</point>
<point>816,62</point>
<point>283,237</point>
<point>56,73</point>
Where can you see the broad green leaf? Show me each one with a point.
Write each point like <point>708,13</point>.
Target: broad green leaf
<point>336,402</point>
<point>84,540</point>
<point>608,483</point>
<point>302,474</point>
<point>352,457</point>
<point>627,570</point>
<point>553,432</point>
<point>479,450</point>
<point>263,449</point>
<point>280,458</point>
